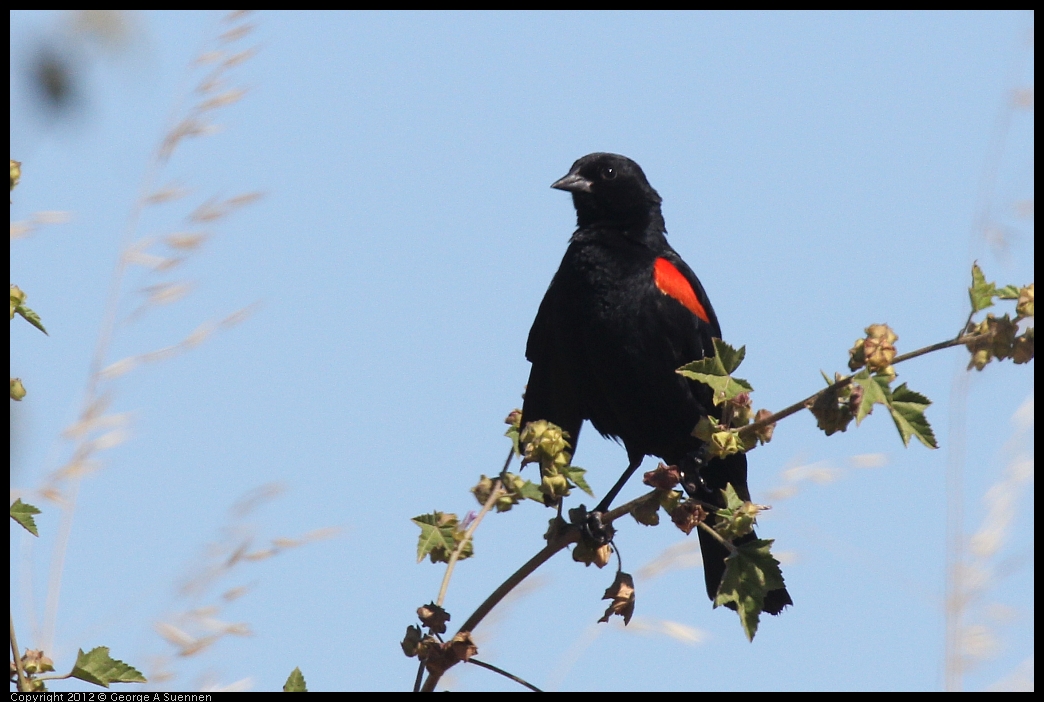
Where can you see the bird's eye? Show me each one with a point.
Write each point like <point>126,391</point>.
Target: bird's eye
<point>608,173</point>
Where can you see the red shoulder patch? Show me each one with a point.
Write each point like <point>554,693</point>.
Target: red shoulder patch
<point>671,282</point>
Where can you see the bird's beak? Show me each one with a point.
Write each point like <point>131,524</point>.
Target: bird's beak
<point>574,183</point>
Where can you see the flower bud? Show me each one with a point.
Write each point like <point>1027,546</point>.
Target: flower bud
<point>17,389</point>
<point>1024,308</point>
<point>879,347</point>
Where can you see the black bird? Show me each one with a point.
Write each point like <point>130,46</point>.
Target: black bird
<point>621,315</point>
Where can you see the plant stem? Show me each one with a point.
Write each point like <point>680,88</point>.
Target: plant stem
<point>721,539</point>
<point>556,544</point>
<point>749,430</point>
<point>494,495</point>
<point>506,674</point>
<point>23,682</point>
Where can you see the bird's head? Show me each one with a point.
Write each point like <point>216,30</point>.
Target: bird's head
<point>609,188</point>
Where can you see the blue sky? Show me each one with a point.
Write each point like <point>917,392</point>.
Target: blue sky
<point>820,172</point>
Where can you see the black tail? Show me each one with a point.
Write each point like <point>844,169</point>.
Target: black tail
<point>716,475</point>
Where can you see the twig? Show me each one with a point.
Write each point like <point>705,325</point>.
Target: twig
<point>507,461</point>
<point>721,539</point>
<point>570,535</point>
<point>23,682</point>
<point>420,676</point>
<point>750,429</point>
<point>614,514</point>
<point>494,495</point>
<point>626,508</point>
<point>506,674</point>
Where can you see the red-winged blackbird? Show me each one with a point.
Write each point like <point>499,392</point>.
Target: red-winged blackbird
<point>621,315</point>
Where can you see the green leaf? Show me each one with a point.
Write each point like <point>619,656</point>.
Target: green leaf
<point>23,514</point>
<point>981,292</point>
<point>646,512</point>
<point>725,360</point>
<point>295,683</point>
<point>439,537</point>
<point>711,372</point>
<point>669,500</point>
<point>18,306</point>
<point>732,500</point>
<point>531,491</point>
<point>907,408</point>
<point>32,318</point>
<point>98,668</point>
<point>750,573</point>
<point>730,358</point>
<point>512,433</point>
<point>715,372</point>
<point>875,392</point>
<point>576,476</point>
<point>738,516</point>
<point>1008,292</point>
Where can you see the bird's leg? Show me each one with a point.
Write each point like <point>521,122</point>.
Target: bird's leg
<point>592,527</point>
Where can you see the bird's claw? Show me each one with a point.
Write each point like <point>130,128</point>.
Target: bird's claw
<point>592,529</point>
<point>691,475</point>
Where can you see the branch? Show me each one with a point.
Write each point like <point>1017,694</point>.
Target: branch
<point>556,544</point>
<point>23,682</point>
<point>721,539</point>
<point>494,495</point>
<point>569,535</point>
<point>749,430</point>
<point>506,674</point>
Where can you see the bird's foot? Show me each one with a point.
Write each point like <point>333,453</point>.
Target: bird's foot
<point>592,529</point>
<point>691,478</point>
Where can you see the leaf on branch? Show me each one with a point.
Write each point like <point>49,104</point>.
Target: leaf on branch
<point>296,682</point>
<point>738,517</point>
<point>576,475</point>
<point>18,306</point>
<point>513,420</point>
<point>715,372</point>
<point>669,499</point>
<point>981,293</point>
<point>907,408</point>
<point>531,491</point>
<point>834,407</point>
<point>875,392</point>
<point>646,512</point>
<point>621,592</point>
<point>23,513</point>
<point>99,668</point>
<point>439,537</point>
<point>730,358</point>
<point>720,441</point>
<point>1008,292</point>
<point>750,573</point>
